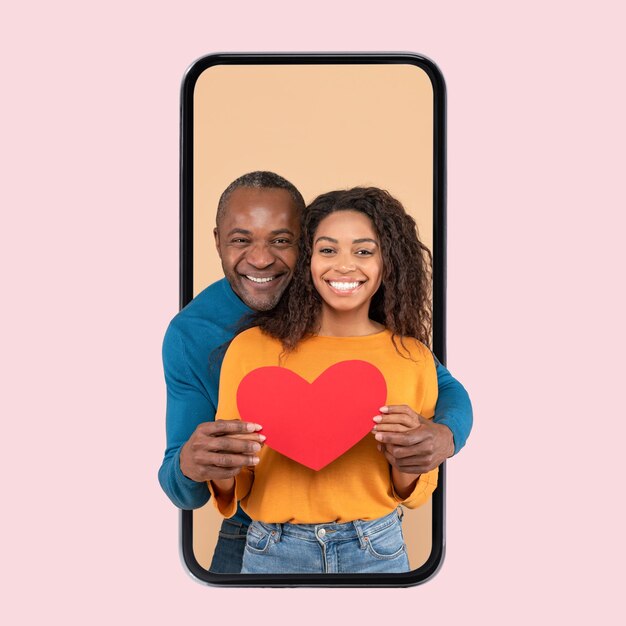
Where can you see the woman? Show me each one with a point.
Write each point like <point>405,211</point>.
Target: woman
<point>360,291</point>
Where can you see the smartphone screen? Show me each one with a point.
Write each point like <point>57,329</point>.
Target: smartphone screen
<point>324,122</point>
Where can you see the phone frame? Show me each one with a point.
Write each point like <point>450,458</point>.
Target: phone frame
<point>435,560</point>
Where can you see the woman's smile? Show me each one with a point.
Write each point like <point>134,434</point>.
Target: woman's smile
<point>345,287</point>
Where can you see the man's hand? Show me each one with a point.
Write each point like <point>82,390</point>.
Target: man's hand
<point>411,443</point>
<point>219,450</point>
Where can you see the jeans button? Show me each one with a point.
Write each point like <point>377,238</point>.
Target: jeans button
<point>321,532</point>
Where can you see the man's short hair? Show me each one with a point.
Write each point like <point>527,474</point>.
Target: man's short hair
<point>260,180</point>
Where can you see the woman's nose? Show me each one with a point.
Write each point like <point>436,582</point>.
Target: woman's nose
<point>345,264</point>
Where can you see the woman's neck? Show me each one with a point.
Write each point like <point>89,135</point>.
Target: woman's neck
<point>340,324</point>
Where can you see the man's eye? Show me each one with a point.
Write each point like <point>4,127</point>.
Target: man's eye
<point>281,242</point>
<point>239,240</point>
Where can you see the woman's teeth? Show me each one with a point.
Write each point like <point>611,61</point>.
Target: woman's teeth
<point>343,286</point>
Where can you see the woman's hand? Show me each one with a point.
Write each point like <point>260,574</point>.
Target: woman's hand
<point>410,442</point>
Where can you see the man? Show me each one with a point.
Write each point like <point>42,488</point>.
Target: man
<point>258,223</point>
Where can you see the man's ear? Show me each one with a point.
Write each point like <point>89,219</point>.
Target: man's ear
<point>217,241</point>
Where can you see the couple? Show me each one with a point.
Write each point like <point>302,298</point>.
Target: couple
<point>359,291</point>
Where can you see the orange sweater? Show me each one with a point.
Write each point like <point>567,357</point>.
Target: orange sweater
<point>358,484</point>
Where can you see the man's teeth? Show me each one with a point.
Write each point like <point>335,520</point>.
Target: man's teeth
<point>254,279</point>
<point>343,286</point>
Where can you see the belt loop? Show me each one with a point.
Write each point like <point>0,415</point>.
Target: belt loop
<point>358,526</point>
<point>279,531</point>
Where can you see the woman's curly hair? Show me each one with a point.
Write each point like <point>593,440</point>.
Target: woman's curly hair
<point>403,301</point>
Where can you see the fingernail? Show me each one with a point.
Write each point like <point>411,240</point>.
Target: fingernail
<point>378,436</point>
<point>384,409</point>
<point>255,460</point>
<point>250,427</point>
<point>378,419</point>
<point>374,429</point>
<point>256,447</point>
<point>257,427</point>
<point>262,437</point>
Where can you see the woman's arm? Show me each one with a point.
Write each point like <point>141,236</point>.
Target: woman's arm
<point>400,427</point>
<point>227,492</point>
<point>403,484</point>
<point>223,491</point>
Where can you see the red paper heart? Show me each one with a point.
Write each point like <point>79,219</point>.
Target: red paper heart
<point>313,423</point>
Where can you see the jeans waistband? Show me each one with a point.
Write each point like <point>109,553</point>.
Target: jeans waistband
<point>231,525</point>
<point>334,531</point>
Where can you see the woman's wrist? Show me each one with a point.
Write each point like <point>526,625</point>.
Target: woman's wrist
<point>223,488</point>
<point>403,484</point>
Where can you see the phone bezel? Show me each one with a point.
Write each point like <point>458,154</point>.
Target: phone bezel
<point>433,563</point>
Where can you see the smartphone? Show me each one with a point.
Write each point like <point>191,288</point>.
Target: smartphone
<point>324,122</point>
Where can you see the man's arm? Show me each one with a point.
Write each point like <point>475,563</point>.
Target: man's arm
<point>198,448</point>
<point>453,408</point>
<point>188,406</point>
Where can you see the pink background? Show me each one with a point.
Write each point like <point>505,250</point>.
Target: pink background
<point>89,141</point>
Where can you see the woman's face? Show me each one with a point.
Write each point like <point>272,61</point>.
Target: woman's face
<point>346,261</point>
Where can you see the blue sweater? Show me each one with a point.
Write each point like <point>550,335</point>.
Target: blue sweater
<point>192,377</point>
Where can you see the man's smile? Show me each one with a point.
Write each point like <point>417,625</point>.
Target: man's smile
<point>260,279</point>
<point>263,283</point>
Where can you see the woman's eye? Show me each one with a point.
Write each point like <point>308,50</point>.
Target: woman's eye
<point>326,250</point>
<point>365,252</point>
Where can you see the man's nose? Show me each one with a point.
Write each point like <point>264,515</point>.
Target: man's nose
<point>260,256</point>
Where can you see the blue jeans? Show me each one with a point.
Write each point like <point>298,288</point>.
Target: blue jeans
<point>375,546</point>
<point>228,553</point>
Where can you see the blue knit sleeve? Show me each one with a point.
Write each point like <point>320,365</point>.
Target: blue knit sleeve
<point>453,408</point>
<point>187,407</point>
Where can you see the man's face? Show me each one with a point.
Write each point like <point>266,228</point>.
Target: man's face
<point>257,240</point>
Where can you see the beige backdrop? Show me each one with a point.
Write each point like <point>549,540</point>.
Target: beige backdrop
<point>322,127</point>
